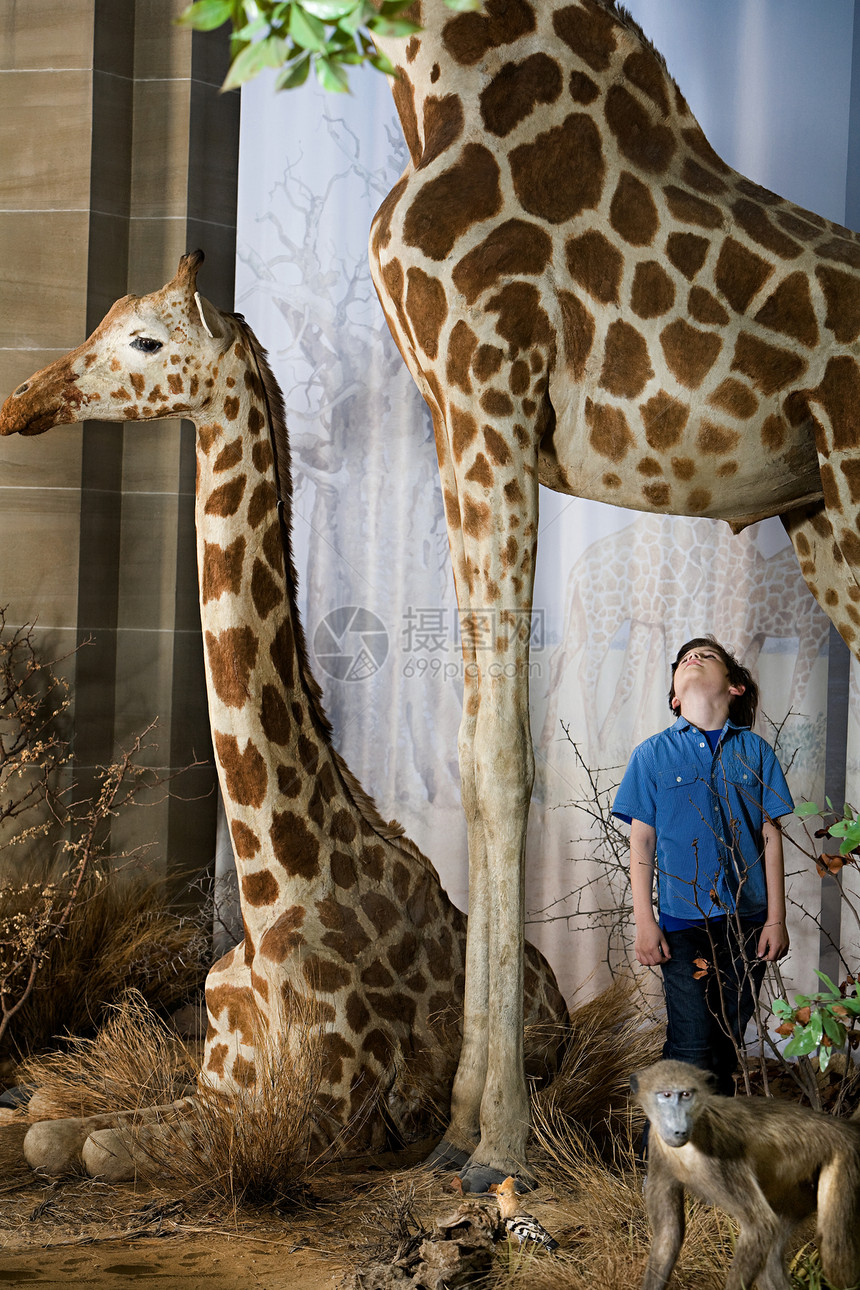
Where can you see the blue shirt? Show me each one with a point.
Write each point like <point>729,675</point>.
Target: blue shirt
<point>707,809</point>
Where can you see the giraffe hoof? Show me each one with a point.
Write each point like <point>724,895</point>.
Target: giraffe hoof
<point>477,1178</point>
<point>446,1157</point>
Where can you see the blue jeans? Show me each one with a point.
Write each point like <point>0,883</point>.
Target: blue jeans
<point>706,1018</point>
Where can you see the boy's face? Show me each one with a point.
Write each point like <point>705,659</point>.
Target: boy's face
<point>702,672</point>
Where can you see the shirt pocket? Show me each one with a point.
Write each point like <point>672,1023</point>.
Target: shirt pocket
<point>682,777</point>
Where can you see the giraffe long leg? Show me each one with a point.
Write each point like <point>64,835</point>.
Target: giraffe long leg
<point>831,576</point>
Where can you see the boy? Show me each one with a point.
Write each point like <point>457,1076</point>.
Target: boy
<point>702,799</point>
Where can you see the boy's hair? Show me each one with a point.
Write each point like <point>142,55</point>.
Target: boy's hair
<point>742,707</point>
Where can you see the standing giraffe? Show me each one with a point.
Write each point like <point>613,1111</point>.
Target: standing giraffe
<point>587,295</point>
<point>334,901</point>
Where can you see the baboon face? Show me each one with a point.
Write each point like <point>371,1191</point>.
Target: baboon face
<point>672,1113</point>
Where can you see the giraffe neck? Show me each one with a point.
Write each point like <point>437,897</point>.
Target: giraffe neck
<point>285,791</point>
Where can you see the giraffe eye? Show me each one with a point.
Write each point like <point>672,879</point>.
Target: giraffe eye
<point>146,344</point>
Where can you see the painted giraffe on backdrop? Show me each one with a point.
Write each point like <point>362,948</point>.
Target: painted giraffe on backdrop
<point>587,295</point>
<point>334,901</point>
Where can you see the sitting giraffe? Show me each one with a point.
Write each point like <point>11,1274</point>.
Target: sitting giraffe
<point>589,297</point>
<point>334,901</point>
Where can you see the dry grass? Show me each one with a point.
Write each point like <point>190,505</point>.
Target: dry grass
<point>134,1061</point>
<point>121,935</point>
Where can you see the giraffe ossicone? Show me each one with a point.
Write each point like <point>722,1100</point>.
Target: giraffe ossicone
<point>335,902</point>
<point>589,297</point>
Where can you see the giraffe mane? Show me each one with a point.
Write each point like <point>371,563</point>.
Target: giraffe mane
<point>626,19</point>
<point>391,831</point>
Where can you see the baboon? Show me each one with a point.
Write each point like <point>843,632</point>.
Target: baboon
<point>768,1164</point>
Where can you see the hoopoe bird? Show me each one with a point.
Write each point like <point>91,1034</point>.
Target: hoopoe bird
<point>525,1227</point>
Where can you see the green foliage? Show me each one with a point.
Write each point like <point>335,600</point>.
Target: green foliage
<point>846,826</point>
<point>820,1023</point>
<point>292,36</point>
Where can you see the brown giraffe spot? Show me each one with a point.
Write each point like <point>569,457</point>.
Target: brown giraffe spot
<point>439,955</point>
<point>427,309</point>
<point>664,419</point>
<point>222,569</point>
<point>289,783</point>
<point>263,501</point>
<point>376,974</point>
<point>713,439</point>
<point>217,1057</point>
<point>225,499</point>
<point>373,861</point>
<point>403,92</point>
<point>260,889</point>
<point>379,1045</point>
<point>282,653</point>
<point>464,428</point>
<point>251,382</point>
<point>487,361</point>
<point>402,955</point>
<point>843,303</point>
<point>698,177</point>
<point>690,353</point>
<point>560,173</point>
<point>342,869</point>
<point>207,435</point>
<point>726,469</point>
<point>496,403</point>
<point>653,291</point>
<point>255,421</point>
<point>231,407</point>
<point>740,274</point>
<point>522,321</point>
<point>683,468</point>
<point>689,209</point>
<point>324,975</point>
<point>480,473</point>
<point>344,933</point>
<point>657,494</point>
<point>789,310</point>
<point>121,393</point>
<point>295,847</point>
<point>626,366</point>
<point>698,500</point>
<point>611,480</point>
<point>516,90</point>
<point>381,227</point>
<point>245,841</point>
<point>194,385</point>
<point>274,716</point>
<point>590,33</point>
<point>633,212</point>
<point>343,827</point>
<point>839,395</point>
<point>577,332</point>
<point>582,88</point>
<point>500,453</point>
<point>649,466</point>
<point>232,655</point>
<point>452,510</point>
<point>706,308</point>
<point>770,369</point>
<point>510,552</point>
<point>644,71</point>
<point>840,250</point>
<point>240,1006</point>
<point>308,754</point>
<point>851,471</point>
<point>519,377</point>
<point>400,881</point>
<point>773,433</point>
<point>244,1072</point>
<point>443,125</point>
<point>244,772</point>
<point>850,544</point>
<point>646,143</point>
<point>461,347</point>
<point>797,227</point>
<point>357,1013</point>
<point>137,383</point>
<point>512,249</point>
<point>513,492</point>
<point>447,206</point>
<point>610,434</point>
<point>469,36</point>
<point>477,518</point>
<point>273,548</point>
<point>265,592</point>
<point>316,807</point>
<point>687,251</point>
<point>261,455</point>
<point>229,456</point>
<point>381,911</point>
<point>596,265</point>
<point>393,1007</point>
<point>326,783</point>
<point>756,224</point>
<point>734,398</point>
<point>333,1049</point>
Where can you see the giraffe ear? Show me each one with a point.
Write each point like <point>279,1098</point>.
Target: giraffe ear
<point>213,323</point>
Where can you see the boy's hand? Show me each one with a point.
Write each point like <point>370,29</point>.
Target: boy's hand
<point>651,946</point>
<point>773,942</point>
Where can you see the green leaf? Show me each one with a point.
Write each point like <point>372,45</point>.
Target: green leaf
<point>307,31</point>
<point>822,976</point>
<point>833,1029</point>
<point>331,76</point>
<point>803,1000</point>
<point>465,6</point>
<point>392,29</point>
<point>801,1043</point>
<point>852,1004</point>
<point>331,10</point>
<point>206,15</point>
<point>295,74</point>
<point>824,1059</point>
<point>252,60</point>
<point>807,808</point>
<point>783,1009</point>
<point>816,1027</point>
<point>382,64</point>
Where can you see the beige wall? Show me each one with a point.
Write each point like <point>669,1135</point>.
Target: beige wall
<point>119,154</point>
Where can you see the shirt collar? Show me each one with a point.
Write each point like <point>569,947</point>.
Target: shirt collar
<point>681,723</point>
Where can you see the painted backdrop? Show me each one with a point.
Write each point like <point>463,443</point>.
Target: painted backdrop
<point>617,591</point>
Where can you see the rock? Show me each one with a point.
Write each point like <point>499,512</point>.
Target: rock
<point>55,1147</point>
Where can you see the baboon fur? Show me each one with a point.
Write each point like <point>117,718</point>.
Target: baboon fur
<point>768,1164</point>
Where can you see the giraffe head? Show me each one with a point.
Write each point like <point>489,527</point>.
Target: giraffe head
<point>151,356</point>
